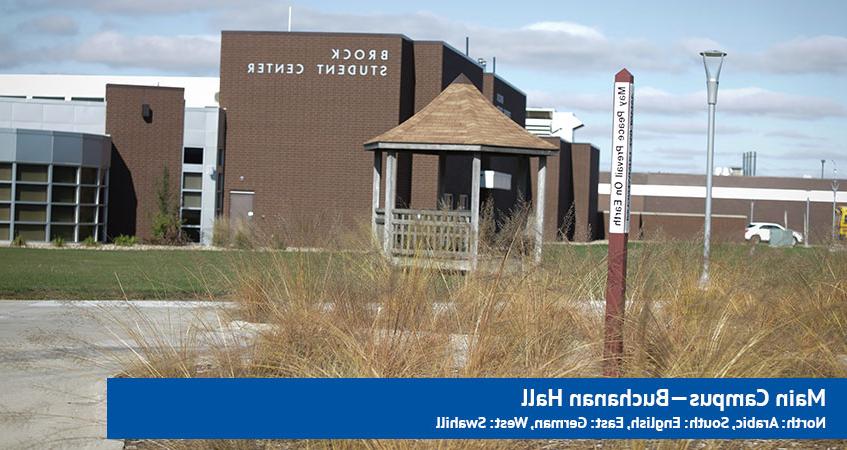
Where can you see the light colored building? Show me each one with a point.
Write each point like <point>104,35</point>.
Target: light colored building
<point>60,113</point>
<point>549,122</point>
<point>199,91</point>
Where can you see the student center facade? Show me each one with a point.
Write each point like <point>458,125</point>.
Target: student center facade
<point>281,142</point>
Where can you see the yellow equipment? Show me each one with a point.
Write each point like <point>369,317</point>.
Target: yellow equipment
<point>843,221</point>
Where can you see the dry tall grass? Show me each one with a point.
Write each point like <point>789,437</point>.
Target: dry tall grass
<point>768,313</point>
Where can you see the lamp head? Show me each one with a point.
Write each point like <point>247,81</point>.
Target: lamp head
<point>713,61</point>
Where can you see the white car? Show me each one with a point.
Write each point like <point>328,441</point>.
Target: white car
<point>761,232</point>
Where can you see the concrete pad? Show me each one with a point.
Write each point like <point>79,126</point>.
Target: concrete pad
<point>55,357</point>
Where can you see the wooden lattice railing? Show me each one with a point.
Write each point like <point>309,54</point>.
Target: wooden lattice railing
<point>431,233</point>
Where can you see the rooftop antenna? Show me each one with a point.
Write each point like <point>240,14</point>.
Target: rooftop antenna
<point>289,19</point>
<point>493,64</point>
<point>467,46</point>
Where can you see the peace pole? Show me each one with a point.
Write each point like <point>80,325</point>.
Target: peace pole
<point>619,182</point>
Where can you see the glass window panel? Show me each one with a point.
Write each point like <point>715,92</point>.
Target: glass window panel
<point>30,213</point>
<point>103,174</point>
<point>87,213</point>
<point>192,181</point>
<point>64,194</point>
<point>85,231</point>
<point>88,175</point>
<point>65,232</point>
<point>31,232</point>
<point>88,195</point>
<point>192,234</point>
<point>5,192</point>
<point>193,155</point>
<point>5,213</point>
<point>66,214</point>
<point>31,193</point>
<point>102,200</point>
<point>101,214</point>
<point>64,174</point>
<point>32,172</point>
<point>6,172</point>
<point>191,217</point>
<point>4,232</point>
<point>191,200</point>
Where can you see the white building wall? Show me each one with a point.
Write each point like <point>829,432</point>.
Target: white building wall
<point>55,115</point>
<point>201,130</point>
<point>199,91</point>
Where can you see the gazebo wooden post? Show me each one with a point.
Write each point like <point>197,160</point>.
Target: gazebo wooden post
<point>475,173</point>
<point>377,175</point>
<point>539,206</point>
<point>390,189</point>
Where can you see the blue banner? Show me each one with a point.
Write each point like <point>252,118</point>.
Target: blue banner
<point>487,408</point>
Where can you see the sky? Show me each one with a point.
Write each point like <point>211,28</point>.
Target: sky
<point>782,88</point>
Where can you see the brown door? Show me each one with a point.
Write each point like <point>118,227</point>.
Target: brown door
<point>240,208</point>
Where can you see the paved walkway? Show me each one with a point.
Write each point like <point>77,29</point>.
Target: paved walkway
<point>55,358</point>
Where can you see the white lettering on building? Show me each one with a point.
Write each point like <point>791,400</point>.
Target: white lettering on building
<point>341,68</point>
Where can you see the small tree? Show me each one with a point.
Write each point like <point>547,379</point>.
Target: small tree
<point>167,226</point>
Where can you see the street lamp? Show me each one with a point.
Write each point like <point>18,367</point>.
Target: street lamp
<point>712,60</point>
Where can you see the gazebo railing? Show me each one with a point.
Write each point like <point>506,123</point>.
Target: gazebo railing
<point>439,234</point>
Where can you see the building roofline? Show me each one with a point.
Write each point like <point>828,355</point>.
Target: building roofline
<point>334,33</point>
<point>503,80</point>
<point>142,86</point>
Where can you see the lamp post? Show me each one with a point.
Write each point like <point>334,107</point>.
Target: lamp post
<point>712,61</point>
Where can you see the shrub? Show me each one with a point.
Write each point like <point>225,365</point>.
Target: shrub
<point>58,241</point>
<point>90,242</point>
<point>167,226</point>
<point>19,241</point>
<point>221,234</point>
<point>125,241</point>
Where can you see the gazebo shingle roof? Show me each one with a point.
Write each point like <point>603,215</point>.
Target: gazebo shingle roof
<point>458,119</point>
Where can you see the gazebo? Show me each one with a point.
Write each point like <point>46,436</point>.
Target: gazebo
<point>460,120</point>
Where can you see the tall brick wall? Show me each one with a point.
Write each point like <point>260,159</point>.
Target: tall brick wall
<point>296,138</point>
<point>140,152</point>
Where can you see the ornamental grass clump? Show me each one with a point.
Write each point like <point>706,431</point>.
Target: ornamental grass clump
<point>766,313</point>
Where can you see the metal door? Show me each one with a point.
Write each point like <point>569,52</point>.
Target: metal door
<point>240,208</point>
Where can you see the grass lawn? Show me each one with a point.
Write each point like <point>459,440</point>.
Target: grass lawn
<point>39,273</point>
<point>36,273</point>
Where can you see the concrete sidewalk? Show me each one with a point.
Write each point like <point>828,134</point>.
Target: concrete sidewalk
<point>55,357</point>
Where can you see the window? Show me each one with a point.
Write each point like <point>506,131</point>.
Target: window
<point>88,195</point>
<point>87,99</point>
<point>191,200</point>
<point>64,174</point>
<point>88,176</point>
<point>63,214</point>
<point>30,232</point>
<point>87,214</point>
<point>33,173</point>
<point>192,181</point>
<point>6,172</point>
<point>30,213</point>
<point>64,194</point>
<point>25,193</point>
<point>191,217</point>
<point>192,155</point>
